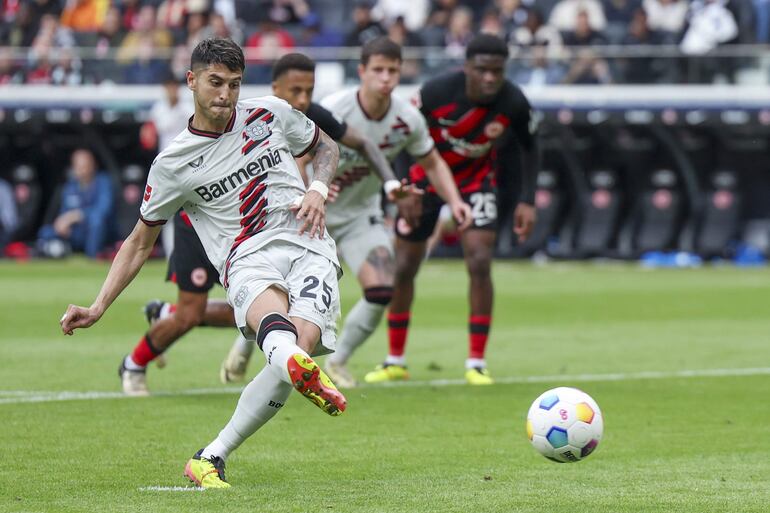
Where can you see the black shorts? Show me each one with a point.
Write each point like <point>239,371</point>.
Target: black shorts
<point>483,204</point>
<point>189,267</point>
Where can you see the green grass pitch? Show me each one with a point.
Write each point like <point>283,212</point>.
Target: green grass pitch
<point>675,440</point>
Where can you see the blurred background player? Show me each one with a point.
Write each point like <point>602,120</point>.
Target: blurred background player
<point>355,219</point>
<point>470,113</point>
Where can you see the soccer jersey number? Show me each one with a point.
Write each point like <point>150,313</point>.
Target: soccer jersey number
<point>483,207</point>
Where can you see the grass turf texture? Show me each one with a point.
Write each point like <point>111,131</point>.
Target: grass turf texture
<point>678,444</point>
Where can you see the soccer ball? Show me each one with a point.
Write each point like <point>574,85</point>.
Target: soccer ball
<point>565,424</point>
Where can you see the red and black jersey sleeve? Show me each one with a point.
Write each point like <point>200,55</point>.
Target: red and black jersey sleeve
<point>326,121</point>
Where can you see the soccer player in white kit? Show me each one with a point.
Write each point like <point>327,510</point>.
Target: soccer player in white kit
<point>355,218</point>
<point>233,172</point>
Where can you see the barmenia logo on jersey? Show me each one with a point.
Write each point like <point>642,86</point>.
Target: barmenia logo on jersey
<point>232,181</point>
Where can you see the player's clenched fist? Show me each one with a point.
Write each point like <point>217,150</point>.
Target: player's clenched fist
<point>77,317</point>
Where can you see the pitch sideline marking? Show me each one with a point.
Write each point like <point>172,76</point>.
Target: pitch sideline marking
<point>171,489</point>
<point>37,396</point>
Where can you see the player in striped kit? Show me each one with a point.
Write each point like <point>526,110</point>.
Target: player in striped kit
<point>262,230</point>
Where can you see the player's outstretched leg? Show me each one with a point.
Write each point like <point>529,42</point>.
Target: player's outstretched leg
<point>277,337</point>
<point>234,367</point>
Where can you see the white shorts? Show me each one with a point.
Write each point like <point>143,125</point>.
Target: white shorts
<point>357,238</point>
<point>309,279</point>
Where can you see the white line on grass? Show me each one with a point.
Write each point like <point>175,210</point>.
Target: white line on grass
<point>171,489</point>
<point>37,396</point>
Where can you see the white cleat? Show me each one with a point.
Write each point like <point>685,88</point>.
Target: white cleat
<point>340,374</point>
<point>134,382</point>
<point>234,367</point>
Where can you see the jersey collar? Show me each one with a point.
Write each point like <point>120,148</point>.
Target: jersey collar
<point>366,114</point>
<point>206,133</point>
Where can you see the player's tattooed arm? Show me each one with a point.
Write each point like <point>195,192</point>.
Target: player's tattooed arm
<point>312,211</point>
<point>326,155</point>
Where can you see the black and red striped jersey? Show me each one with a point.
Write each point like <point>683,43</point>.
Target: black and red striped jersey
<point>467,133</point>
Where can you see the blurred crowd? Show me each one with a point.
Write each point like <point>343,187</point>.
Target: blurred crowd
<point>556,41</point>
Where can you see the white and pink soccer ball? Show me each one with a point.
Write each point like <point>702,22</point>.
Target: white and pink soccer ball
<point>565,424</point>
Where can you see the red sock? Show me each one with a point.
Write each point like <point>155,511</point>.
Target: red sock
<point>171,308</point>
<point>144,352</point>
<point>398,326</point>
<point>478,329</point>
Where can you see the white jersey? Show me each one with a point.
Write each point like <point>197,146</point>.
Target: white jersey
<point>402,127</point>
<point>237,186</point>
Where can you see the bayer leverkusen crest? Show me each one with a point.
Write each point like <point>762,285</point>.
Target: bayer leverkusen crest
<point>257,130</point>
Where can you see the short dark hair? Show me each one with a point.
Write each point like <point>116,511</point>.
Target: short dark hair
<point>217,50</point>
<point>486,44</point>
<point>380,46</point>
<point>290,61</point>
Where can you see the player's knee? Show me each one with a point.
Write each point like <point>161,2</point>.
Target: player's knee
<point>479,266</point>
<point>187,320</point>
<point>378,295</point>
<point>273,322</point>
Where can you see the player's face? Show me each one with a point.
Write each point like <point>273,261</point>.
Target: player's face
<point>485,76</point>
<point>380,75</point>
<point>215,90</point>
<point>296,87</point>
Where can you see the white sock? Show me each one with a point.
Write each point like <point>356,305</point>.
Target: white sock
<point>395,360</point>
<point>361,322</point>
<point>244,346</point>
<point>165,311</point>
<point>131,365</point>
<point>259,402</point>
<point>473,363</point>
<point>278,347</point>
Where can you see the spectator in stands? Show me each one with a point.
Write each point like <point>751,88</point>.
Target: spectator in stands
<point>619,14</point>
<point>642,69</point>
<point>538,69</point>
<point>10,72</point>
<point>195,26</point>
<point>284,12</point>
<point>171,15</point>
<point>9,217</point>
<point>22,31</point>
<point>84,15</point>
<point>536,32</point>
<point>459,32</point>
<point>314,34</point>
<point>762,20</point>
<point>492,24</point>
<point>218,27</point>
<point>438,20</point>
<point>68,69</point>
<point>146,67</point>
<point>366,28</point>
<point>584,34</point>
<point>414,13</point>
<point>265,45</point>
<point>129,13</point>
<point>667,17</point>
<point>83,218</point>
<point>587,67</point>
<point>711,24</point>
<point>512,15</point>
<point>565,14</point>
<point>137,39</point>
<point>400,34</point>
<point>111,33</point>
